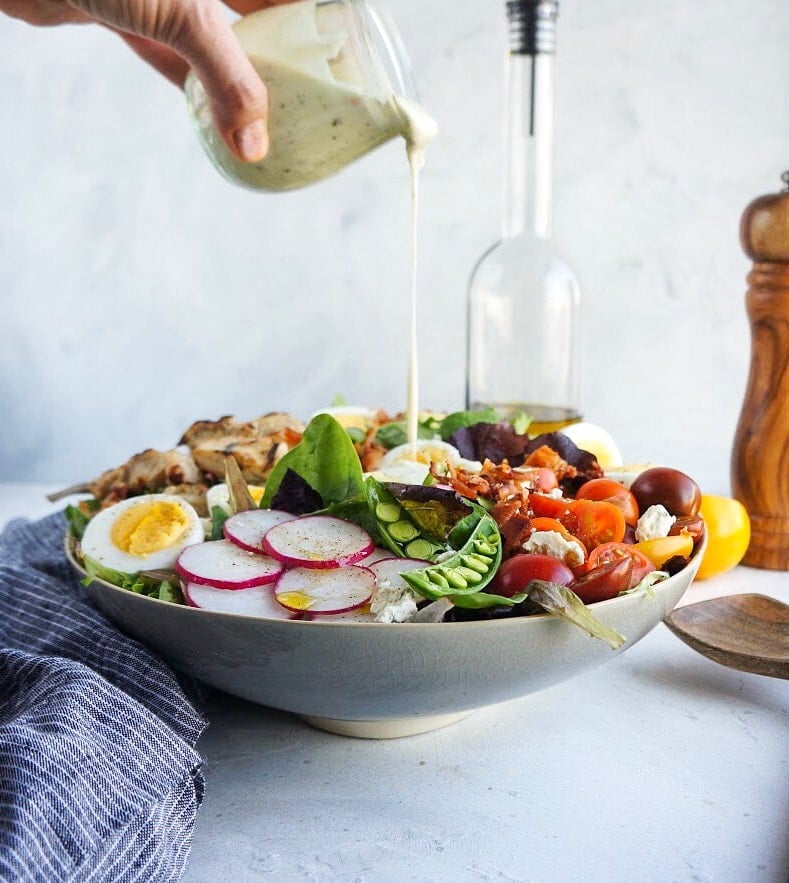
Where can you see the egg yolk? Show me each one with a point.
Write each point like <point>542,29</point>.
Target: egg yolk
<point>426,455</point>
<point>256,492</point>
<point>149,527</point>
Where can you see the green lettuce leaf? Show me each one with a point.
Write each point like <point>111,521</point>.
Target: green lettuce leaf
<point>326,459</point>
<point>131,581</point>
<point>218,519</point>
<point>564,603</point>
<point>645,586</point>
<point>164,590</point>
<point>77,520</point>
<point>452,422</point>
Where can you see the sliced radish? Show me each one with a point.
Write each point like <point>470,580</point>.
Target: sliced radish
<point>306,589</point>
<point>257,601</point>
<point>318,541</point>
<point>377,555</point>
<point>224,566</point>
<point>387,570</point>
<point>247,529</point>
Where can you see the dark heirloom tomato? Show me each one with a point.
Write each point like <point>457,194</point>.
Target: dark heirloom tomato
<point>692,524</point>
<point>671,488</point>
<point>517,572</point>
<point>604,581</point>
<point>616,552</point>
<point>610,491</point>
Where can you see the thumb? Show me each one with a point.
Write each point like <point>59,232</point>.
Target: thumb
<point>239,102</point>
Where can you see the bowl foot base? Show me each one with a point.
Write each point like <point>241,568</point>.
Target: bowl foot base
<point>384,729</point>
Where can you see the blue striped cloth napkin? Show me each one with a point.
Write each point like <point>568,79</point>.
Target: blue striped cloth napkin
<point>99,777</point>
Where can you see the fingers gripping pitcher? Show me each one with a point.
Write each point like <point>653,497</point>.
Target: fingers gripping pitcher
<point>339,85</point>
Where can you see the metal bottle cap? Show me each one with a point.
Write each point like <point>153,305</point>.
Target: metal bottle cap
<point>532,26</point>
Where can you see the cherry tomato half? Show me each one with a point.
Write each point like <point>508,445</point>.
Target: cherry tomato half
<point>551,524</point>
<point>610,491</point>
<point>604,581</point>
<point>661,549</point>
<point>545,479</point>
<point>517,572</point>
<point>692,524</point>
<point>615,552</point>
<point>671,488</point>
<point>595,523</point>
<point>548,507</point>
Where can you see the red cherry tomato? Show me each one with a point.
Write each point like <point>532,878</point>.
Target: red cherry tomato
<point>604,581</point>
<point>517,572</point>
<point>595,523</point>
<point>610,491</point>
<point>551,524</point>
<point>548,507</point>
<point>609,552</point>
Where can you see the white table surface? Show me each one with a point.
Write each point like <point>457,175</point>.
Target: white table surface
<point>661,766</point>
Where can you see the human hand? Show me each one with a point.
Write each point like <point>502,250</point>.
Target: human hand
<point>172,36</point>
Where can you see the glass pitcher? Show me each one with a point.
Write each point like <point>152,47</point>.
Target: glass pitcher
<point>338,81</point>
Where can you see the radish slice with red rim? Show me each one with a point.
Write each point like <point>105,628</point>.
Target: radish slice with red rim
<point>225,566</point>
<point>388,570</point>
<point>318,541</point>
<point>257,601</point>
<point>306,589</point>
<point>247,529</point>
<point>377,555</point>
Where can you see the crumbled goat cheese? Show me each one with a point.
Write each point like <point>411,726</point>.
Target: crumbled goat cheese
<point>655,523</point>
<point>551,542</point>
<point>556,493</point>
<point>392,603</point>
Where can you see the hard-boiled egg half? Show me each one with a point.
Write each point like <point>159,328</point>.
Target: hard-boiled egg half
<point>412,465</point>
<point>350,416</point>
<point>142,533</point>
<point>593,438</point>
<point>219,495</point>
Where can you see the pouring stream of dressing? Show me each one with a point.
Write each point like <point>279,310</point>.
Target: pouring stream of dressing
<point>420,129</point>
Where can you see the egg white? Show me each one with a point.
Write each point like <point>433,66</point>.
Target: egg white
<point>432,449</point>
<point>219,495</point>
<point>593,438</point>
<point>97,541</point>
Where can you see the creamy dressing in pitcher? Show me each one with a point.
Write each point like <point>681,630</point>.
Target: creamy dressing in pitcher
<point>321,118</point>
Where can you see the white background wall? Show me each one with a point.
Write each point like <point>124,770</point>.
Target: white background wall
<point>139,291</point>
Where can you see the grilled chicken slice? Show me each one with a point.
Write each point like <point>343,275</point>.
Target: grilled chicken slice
<point>194,494</point>
<point>256,446</point>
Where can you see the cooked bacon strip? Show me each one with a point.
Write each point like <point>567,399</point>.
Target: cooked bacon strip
<point>545,456</point>
<point>512,517</point>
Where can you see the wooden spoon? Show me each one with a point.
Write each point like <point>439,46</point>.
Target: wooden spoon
<point>746,632</point>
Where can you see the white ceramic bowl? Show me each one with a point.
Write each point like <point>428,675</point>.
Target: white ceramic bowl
<point>381,681</point>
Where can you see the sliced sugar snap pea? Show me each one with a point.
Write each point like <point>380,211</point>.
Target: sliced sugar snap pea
<point>420,549</point>
<point>472,577</point>
<point>403,531</point>
<point>473,563</point>
<point>467,571</point>
<point>387,512</point>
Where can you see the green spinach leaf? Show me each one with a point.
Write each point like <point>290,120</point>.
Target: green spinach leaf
<point>326,459</point>
<point>452,422</point>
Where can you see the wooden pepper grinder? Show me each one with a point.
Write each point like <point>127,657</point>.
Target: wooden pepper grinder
<point>760,458</point>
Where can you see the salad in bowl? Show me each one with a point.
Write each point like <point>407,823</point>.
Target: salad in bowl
<point>343,521</point>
